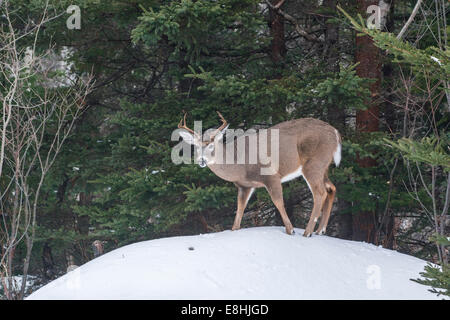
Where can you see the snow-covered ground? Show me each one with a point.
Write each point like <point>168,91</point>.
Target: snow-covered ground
<point>254,263</point>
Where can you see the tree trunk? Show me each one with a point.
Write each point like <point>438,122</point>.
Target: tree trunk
<point>47,262</point>
<point>390,226</point>
<point>82,226</point>
<point>278,45</point>
<point>388,70</point>
<point>369,58</point>
<point>336,115</point>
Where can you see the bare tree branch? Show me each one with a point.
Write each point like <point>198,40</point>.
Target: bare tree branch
<point>410,20</point>
<point>292,20</point>
<point>34,126</point>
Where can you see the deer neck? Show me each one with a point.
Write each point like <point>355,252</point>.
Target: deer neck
<point>229,171</point>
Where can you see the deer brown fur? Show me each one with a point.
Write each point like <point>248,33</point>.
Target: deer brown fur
<point>306,147</point>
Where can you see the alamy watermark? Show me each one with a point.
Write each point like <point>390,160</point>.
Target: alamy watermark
<point>378,13</point>
<point>259,147</point>
<point>74,21</point>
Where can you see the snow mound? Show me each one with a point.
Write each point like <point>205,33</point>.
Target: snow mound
<point>254,263</point>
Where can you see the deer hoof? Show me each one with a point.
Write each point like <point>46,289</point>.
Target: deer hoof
<point>321,232</point>
<point>290,231</point>
<point>307,234</point>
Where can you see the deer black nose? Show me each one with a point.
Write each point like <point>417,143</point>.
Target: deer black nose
<point>202,163</point>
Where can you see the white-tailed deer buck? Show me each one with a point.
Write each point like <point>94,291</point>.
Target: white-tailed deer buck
<point>306,148</point>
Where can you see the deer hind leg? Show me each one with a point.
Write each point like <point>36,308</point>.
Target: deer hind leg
<point>326,210</point>
<point>276,193</point>
<point>244,195</point>
<point>315,180</point>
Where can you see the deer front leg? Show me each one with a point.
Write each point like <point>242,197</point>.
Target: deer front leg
<point>276,193</point>
<point>244,195</point>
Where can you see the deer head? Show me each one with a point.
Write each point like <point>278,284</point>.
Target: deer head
<point>205,146</point>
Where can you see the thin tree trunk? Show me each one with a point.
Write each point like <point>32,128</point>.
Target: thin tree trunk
<point>411,18</point>
<point>48,263</point>
<point>336,115</point>
<point>369,58</point>
<point>391,120</point>
<point>388,72</point>
<point>83,227</point>
<point>278,45</point>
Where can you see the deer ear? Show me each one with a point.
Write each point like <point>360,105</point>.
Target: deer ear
<point>219,136</point>
<point>187,137</point>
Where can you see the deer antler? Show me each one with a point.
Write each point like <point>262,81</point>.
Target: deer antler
<point>224,124</point>
<point>183,126</point>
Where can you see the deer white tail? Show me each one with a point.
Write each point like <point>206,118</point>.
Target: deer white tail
<point>337,153</point>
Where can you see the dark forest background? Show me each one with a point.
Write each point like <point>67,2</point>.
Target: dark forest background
<point>259,63</point>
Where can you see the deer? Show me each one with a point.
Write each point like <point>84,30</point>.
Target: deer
<point>307,146</point>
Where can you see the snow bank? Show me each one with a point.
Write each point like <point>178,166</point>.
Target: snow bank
<point>255,263</point>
